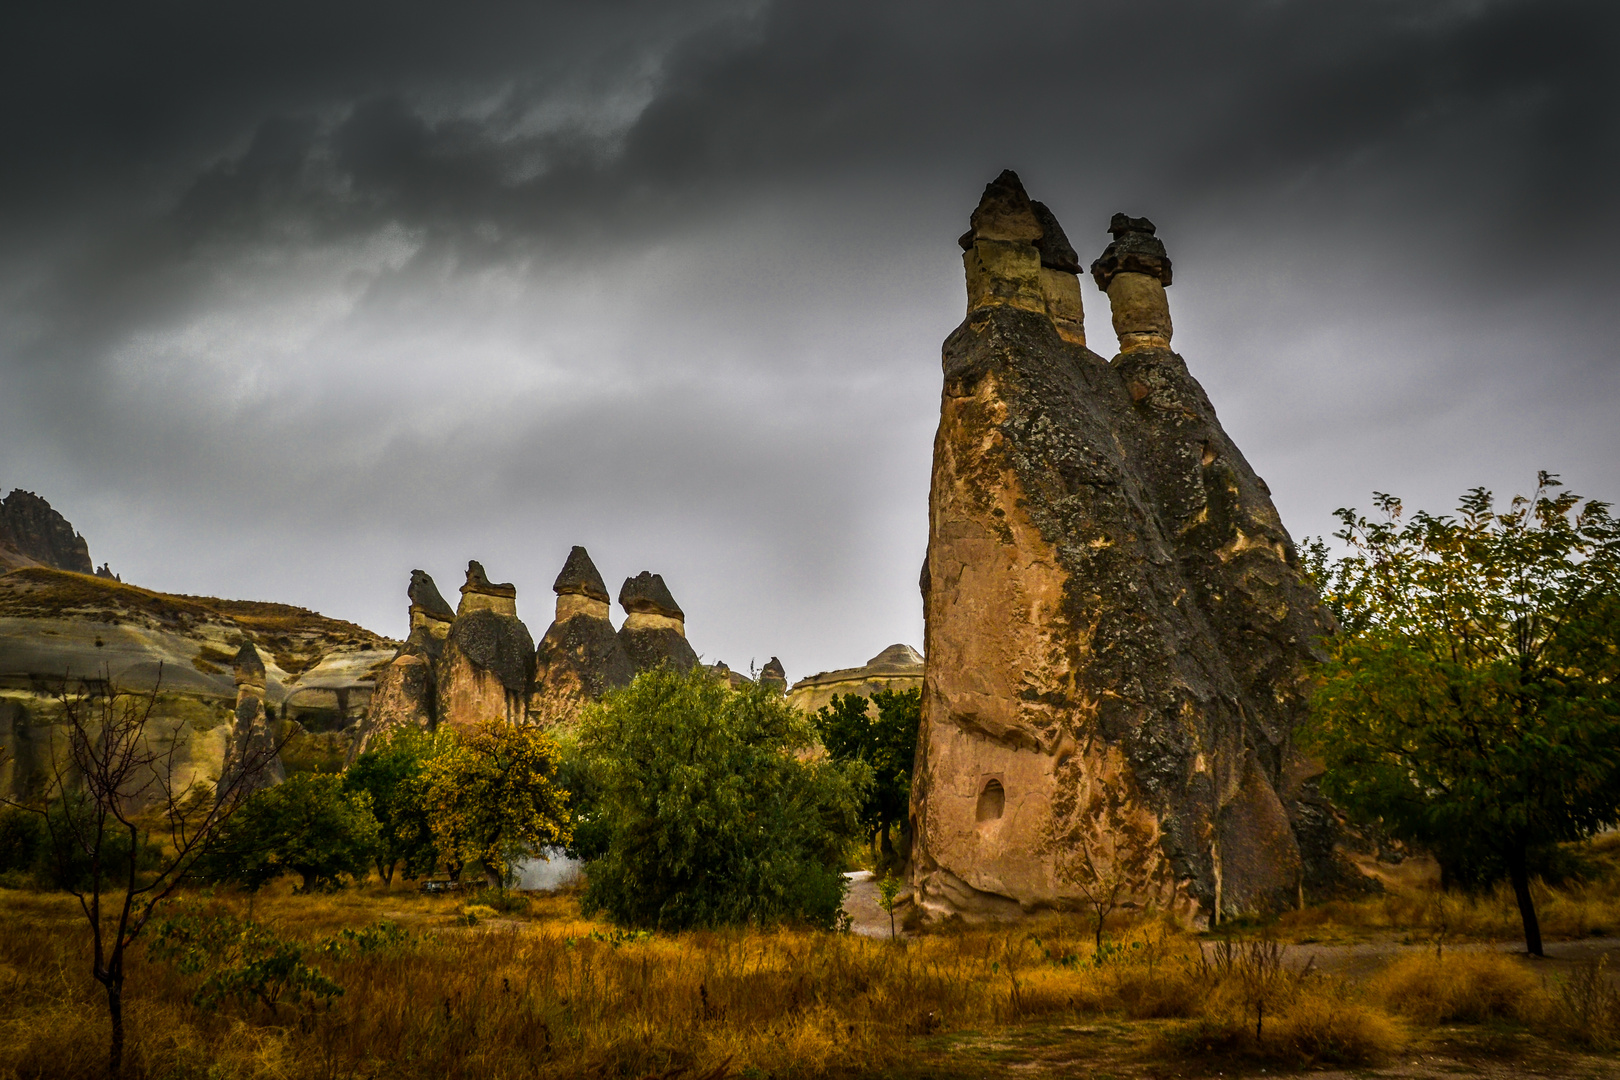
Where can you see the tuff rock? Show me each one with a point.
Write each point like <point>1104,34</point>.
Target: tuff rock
<point>33,534</point>
<point>899,667</point>
<point>580,657</point>
<point>1117,623</point>
<point>654,630</point>
<point>487,669</point>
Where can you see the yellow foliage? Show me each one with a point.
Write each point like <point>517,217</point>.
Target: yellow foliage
<point>1462,985</point>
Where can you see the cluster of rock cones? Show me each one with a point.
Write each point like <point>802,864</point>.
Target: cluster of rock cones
<point>464,666</point>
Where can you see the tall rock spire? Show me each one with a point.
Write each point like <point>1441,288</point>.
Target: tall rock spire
<point>580,658</point>
<point>654,630</point>
<point>1117,624</point>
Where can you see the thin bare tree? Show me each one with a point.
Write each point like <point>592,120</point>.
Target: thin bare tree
<point>1100,881</point>
<point>115,776</point>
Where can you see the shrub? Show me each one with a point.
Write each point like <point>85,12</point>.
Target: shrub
<point>1470,987</point>
<point>714,814</point>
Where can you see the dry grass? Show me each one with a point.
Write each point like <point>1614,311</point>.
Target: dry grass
<point>1569,911</point>
<point>535,990</point>
<point>1463,986</point>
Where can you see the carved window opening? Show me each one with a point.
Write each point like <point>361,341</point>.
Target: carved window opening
<point>992,801</point>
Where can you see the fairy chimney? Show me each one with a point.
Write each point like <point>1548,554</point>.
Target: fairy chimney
<point>1134,271</point>
<point>654,630</point>
<point>253,744</point>
<point>1016,255</point>
<point>487,669</point>
<point>580,657</point>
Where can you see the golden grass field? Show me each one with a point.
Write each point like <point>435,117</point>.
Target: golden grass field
<point>543,992</point>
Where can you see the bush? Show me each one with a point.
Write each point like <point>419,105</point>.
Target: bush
<point>24,845</point>
<point>715,815</point>
<point>1470,987</point>
<point>393,773</point>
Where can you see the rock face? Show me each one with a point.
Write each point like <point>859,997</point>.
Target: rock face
<point>407,689</point>
<point>487,669</point>
<point>774,675</point>
<point>58,627</point>
<point>252,744</point>
<point>1116,620</point>
<point>654,630</point>
<point>32,534</point>
<point>899,667</point>
<point>580,658</point>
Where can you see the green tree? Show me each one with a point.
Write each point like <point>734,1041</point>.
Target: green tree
<point>717,812</point>
<point>493,797</point>
<point>1470,703</point>
<point>888,744</point>
<point>393,772</point>
<point>308,825</point>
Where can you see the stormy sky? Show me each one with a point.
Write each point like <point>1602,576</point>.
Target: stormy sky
<point>296,297</point>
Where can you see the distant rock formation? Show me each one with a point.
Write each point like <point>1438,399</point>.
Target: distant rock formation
<point>1117,623</point>
<point>899,667</point>
<point>487,670</point>
<point>774,675</point>
<point>32,534</point>
<point>407,689</point>
<point>57,625</point>
<point>253,744</point>
<point>580,657</point>
<point>654,630</point>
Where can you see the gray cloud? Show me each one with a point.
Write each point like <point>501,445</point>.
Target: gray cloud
<point>296,300</point>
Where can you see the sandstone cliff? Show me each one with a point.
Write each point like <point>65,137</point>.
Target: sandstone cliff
<point>1116,620</point>
<point>898,667</point>
<point>56,626</point>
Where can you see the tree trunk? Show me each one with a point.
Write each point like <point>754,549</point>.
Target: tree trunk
<point>115,1009</point>
<point>1519,874</point>
<point>309,881</point>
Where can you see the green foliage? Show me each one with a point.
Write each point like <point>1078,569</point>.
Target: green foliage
<point>24,845</point>
<point>393,772</point>
<point>63,863</point>
<point>716,812</point>
<point>239,960</point>
<point>887,743</point>
<point>308,825</point>
<point>1470,703</point>
<point>382,936</point>
<point>888,892</point>
<point>492,796</point>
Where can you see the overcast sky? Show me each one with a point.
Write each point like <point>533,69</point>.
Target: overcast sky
<point>297,297</point>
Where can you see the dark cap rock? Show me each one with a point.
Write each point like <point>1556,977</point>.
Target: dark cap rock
<point>247,666</point>
<point>774,674</point>
<point>647,594</point>
<point>1135,250</point>
<point>425,595</point>
<point>1004,213</point>
<point>478,582</point>
<point>1056,251</point>
<point>579,577</point>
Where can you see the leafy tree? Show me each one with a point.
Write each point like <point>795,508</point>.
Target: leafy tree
<point>308,825</point>
<point>887,743</point>
<point>1471,702</point>
<point>24,844</point>
<point>716,811</point>
<point>493,797</point>
<point>393,772</point>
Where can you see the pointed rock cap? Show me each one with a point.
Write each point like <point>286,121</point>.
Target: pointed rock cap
<point>646,593</point>
<point>1056,251</point>
<point>478,582</point>
<point>579,577</point>
<point>1004,213</point>
<point>425,595</point>
<point>774,674</point>
<point>1135,250</point>
<point>897,656</point>
<point>247,666</point>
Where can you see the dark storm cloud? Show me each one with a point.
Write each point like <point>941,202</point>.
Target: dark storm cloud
<point>673,275</point>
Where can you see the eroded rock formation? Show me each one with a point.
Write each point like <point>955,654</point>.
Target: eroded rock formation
<point>487,670</point>
<point>1116,619</point>
<point>407,689</point>
<point>580,657</point>
<point>654,630</point>
<point>32,534</point>
<point>899,667</point>
<point>253,744</point>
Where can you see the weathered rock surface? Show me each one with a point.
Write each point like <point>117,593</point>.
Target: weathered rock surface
<point>58,627</point>
<point>774,675</point>
<point>487,669</point>
<point>32,534</point>
<point>253,745</point>
<point>408,688</point>
<point>580,657</point>
<point>899,667</point>
<point>1116,620</point>
<point>654,630</point>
